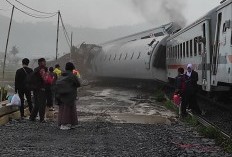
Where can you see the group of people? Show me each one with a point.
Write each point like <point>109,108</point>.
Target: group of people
<point>42,83</point>
<point>186,87</point>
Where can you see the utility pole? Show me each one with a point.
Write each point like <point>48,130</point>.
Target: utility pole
<point>7,41</point>
<point>71,46</point>
<point>57,34</point>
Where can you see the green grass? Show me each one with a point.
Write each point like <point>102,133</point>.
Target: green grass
<point>159,95</point>
<point>169,105</point>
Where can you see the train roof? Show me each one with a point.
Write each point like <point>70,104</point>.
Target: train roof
<point>206,16</point>
<point>165,29</point>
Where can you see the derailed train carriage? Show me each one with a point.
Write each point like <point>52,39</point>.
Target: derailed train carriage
<point>157,54</point>
<point>139,56</point>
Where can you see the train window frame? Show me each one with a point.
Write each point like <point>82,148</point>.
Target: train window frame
<point>139,55</point>
<point>181,52</point>
<point>191,48</point>
<point>187,49</point>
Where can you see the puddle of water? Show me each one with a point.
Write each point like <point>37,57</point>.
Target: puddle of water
<point>140,119</point>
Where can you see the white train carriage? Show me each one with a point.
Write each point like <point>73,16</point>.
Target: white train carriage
<point>139,56</point>
<point>207,44</point>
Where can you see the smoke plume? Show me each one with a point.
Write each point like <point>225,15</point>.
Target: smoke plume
<point>159,12</point>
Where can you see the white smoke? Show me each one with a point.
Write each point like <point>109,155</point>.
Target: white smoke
<point>159,12</point>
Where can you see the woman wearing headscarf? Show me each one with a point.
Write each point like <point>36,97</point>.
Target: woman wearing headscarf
<point>66,93</point>
<point>191,89</point>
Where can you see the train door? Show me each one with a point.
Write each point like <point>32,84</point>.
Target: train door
<point>204,43</point>
<point>216,46</point>
<point>222,47</point>
<point>150,49</point>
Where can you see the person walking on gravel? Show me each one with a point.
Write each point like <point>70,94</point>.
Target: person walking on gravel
<point>21,84</point>
<point>39,81</point>
<point>66,93</point>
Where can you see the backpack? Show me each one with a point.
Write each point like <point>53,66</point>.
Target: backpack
<point>63,85</point>
<point>50,79</point>
<point>31,81</point>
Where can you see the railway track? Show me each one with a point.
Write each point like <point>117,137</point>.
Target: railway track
<point>207,123</point>
<point>213,110</point>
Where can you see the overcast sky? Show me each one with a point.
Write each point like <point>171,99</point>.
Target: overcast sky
<point>108,13</point>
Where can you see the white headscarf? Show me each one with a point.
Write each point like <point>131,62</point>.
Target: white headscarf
<point>189,73</point>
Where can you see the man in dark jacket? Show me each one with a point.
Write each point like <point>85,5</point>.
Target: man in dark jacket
<point>20,85</point>
<point>39,91</point>
<point>191,89</point>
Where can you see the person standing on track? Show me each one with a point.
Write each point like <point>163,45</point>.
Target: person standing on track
<point>180,86</point>
<point>191,89</point>
<point>20,85</point>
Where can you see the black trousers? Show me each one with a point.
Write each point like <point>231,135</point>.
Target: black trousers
<point>39,104</point>
<point>183,104</point>
<point>191,99</point>
<point>28,96</point>
<point>49,97</point>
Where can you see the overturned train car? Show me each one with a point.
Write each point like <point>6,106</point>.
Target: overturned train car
<point>139,56</point>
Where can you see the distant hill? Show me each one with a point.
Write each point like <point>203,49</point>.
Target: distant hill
<point>39,40</point>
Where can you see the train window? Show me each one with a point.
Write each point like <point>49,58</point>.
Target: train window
<point>204,30</point>
<point>132,55</point>
<point>120,57</point>
<point>175,55</point>
<point>170,51</point>
<point>110,57</point>
<point>191,48</point>
<point>199,48</point>
<point>195,48</point>
<point>184,50</point>
<point>125,56</point>
<point>115,56</point>
<point>105,57</point>
<point>178,52</point>
<point>187,49</point>
<point>139,55</point>
<point>231,38</point>
<point>224,28</point>
<point>181,51</point>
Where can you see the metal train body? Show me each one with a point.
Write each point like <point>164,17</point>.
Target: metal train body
<point>207,44</point>
<point>134,56</point>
